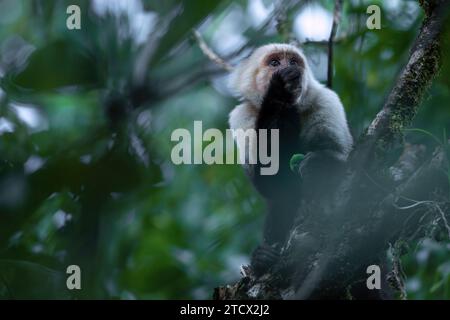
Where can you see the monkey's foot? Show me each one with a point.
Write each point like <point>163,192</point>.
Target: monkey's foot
<point>263,258</point>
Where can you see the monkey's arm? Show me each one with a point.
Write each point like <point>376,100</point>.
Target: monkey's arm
<point>325,137</point>
<point>278,111</point>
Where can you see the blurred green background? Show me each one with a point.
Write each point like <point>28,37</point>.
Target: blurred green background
<point>85,122</point>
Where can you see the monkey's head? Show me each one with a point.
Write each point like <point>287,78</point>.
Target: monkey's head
<point>251,78</point>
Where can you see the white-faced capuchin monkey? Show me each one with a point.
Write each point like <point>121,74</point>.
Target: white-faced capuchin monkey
<point>279,91</point>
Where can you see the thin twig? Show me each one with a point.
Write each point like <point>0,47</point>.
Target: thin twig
<point>431,204</point>
<point>336,19</point>
<point>281,20</point>
<point>417,203</point>
<point>207,51</point>
<point>324,43</point>
<point>444,219</point>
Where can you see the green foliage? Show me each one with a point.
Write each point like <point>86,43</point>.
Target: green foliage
<point>428,270</point>
<point>295,161</point>
<point>62,63</point>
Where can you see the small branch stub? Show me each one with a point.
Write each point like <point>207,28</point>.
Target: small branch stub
<point>208,52</point>
<point>336,20</point>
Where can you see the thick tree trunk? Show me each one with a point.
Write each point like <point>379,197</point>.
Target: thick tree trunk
<point>348,222</point>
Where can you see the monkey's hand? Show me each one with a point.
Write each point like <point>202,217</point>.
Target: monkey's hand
<point>285,85</point>
<point>263,258</point>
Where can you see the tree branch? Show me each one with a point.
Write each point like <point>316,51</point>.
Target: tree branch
<point>207,51</point>
<point>336,20</point>
<point>423,64</point>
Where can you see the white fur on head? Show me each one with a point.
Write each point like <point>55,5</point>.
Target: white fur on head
<point>248,80</point>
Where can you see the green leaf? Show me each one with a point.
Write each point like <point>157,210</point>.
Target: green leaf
<point>295,161</point>
<point>27,280</point>
<point>190,16</point>
<point>437,285</point>
<point>56,65</point>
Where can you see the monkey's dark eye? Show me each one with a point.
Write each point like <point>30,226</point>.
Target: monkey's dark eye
<point>293,62</point>
<point>274,62</point>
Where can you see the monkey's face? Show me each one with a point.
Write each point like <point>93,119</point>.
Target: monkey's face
<point>276,62</point>
<point>251,79</point>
